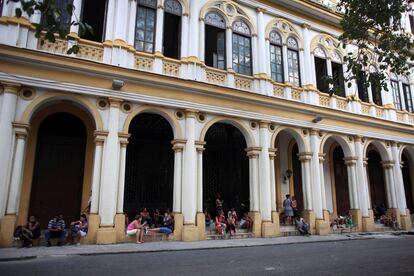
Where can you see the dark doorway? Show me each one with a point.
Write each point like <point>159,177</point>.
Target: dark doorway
<point>297,177</point>
<point>58,170</point>
<point>341,182</point>
<point>172,38</point>
<point>225,168</point>
<point>338,78</point>
<point>407,172</point>
<point>215,50</point>
<point>376,179</point>
<point>94,14</point>
<point>149,168</point>
<point>321,70</point>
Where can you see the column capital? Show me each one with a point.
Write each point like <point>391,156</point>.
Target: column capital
<point>100,136</point>
<point>322,157</point>
<point>191,113</point>
<point>272,153</point>
<point>115,102</point>
<point>395,144</point>
<point>21,130</point>
<point>388,164</point>
<point>350,160</point>
<point>200,146</point>
<point>123,138</point>
<point>264,124</point>
<point>306,26</point>
<point>11,87</point>
<point>253,152</point>
<point>260,10</point>
<point>305,156</point>
<point>314,131</point>
<point>178,144</point>
<point>358,138</point>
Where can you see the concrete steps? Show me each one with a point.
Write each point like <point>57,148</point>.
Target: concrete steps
<point>288,231</point>
<point>211,234</point>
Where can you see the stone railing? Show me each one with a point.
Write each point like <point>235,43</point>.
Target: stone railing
<point>278,90</point>
<point>411,119</point>
<point>216,76</point>
<point>243,82</point>
<point>400,116</point>
<point>379,112</point>
<point>144,61</point>
<point>60,46</point>
<point>296,93</point>
<point>171,67</point>
<point>365,108</point>
<point>341,103</point>
<point>90,50</point>
<point>324,99</point>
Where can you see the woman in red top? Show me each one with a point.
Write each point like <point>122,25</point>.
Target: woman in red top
<point>221,223</point>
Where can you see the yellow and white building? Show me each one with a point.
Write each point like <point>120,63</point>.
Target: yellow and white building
<point>173,101</point>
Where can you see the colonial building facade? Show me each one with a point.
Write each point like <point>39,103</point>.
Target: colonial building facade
<point>169,102</point>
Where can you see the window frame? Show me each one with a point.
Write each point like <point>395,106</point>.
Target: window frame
<point>222,27</point>
<point>154,10</point>
<point>276,45</point>
<point>244,36</point>
<point>296,52</point>
<point>395,87</point>
<point>179,28</point>
<point>409,103</point>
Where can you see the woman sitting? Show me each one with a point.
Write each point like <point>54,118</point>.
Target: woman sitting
<point>29,232</point>
<point>221,223</point>
<point>79,229</point>
<point>136,228</point>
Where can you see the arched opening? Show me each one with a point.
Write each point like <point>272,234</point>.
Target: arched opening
<point>340,177</point>
<point>408,178</point>
<point>376,178</point>
<point>149,165</point>
<point>225,169</point>
<point>297,177</point>
<point>58,168</point>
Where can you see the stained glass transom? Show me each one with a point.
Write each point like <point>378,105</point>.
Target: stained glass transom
<point>173,6</point>
<point>319,52</point>
<point>215,19</point>
<point>292,43</point>
<point>241,28</point>
<point>275,38</point>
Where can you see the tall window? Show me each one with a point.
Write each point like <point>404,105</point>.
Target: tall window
<point>242,61</point>
<point>145,25</point>
<point>172,29</point>
<point>376,94</point>
<point>321,70</point>
<point>409,105</point>
<point>94,13</point>
<point>396,92</point>
<point>276,57</point>
<point>338,78</point>
<point>64,18</point>
<point>215,41</point>
<point>1,7</point>
<point>362,87</point>
<point>293,61</point>
<point>411,18</point>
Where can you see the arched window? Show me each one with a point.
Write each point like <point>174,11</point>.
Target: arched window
<point>145,25</point>
<point>276,56</point>
<point>242,50</point>
<point>172,29</point>
<point>338,74</point>
<point>215,40</point>
<point>396,91</point>
<point>94,13</point>
<point>409,106</point>
<point>293,61</point>
<point>321,69</point>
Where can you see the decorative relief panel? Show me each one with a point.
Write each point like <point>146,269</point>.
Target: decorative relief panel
<point>60,46</point>
<point>171,68</point>
<point>215,77</point>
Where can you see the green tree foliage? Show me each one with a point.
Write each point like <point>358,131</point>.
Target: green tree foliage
<point>376,28</point>
<point>53,20</point>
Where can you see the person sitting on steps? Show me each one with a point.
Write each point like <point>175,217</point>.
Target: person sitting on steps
<point>79,229</point>
<point>56,229</point>
<point>136,228</point>
<point>168,227</point>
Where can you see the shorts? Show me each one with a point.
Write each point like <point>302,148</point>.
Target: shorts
<point>83,233</point>
<point>132,232</point>
<point>165,230</point>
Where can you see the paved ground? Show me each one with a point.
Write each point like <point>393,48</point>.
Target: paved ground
<point>380,255</point>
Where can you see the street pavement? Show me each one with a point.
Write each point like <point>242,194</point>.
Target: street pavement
<point>380,255</point>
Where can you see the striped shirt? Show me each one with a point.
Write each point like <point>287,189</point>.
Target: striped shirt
<point>54,224</point>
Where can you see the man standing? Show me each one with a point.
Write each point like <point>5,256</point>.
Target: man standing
<point>56,229</point>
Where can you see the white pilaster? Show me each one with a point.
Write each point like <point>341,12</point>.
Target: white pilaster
<point>132,6</point>
<point>322,176</point>
<point>264,173</point>
<point>160,30</point>
<point>110,168</point>
<point>351,162</point>
<point>273,198</point>
<point>315,173</point>
<point>193,34</point>
<point>261,42</point>
<point>178,146</point>
<point>97,166</point>
<point>17,171</point>
<point>398,179</point>
<point>389,183</point>
<point>200,149</point>
<point>307,78</point>
<point>285,63</point>
<point>123,140</point>
<point>361,177</point>
<point>229,47</point>
<point>253,154</point>
<point>7,116</point>
<point>184,36</point>
<point>305,159</point>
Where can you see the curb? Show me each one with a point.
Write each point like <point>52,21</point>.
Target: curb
<point>17,258</point>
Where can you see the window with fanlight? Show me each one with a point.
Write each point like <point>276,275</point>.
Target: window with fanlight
<point>241,48</point>
<point>276,56</point>
<point>215,40</point>
<point>293,61</point>
<point>396,91</point>
<point>172,28</point>
<point>409,105</point>
<point>145,25</point>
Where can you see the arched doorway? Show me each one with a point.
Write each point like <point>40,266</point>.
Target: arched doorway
<point>297,177</point>
<point>58,168</point>
<point>408,177</point>
<point>376,178</point>
<point>340,177</point>
<point>149,165</point>
<point>225,169</point>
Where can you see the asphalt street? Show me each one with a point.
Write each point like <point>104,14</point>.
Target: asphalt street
<point>388,255</point>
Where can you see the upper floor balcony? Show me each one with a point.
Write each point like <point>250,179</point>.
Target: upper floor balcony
<point>221,43</point>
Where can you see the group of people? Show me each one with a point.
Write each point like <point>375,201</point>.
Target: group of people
<point>56,228</point>
<point>144,223</point>
<point>342,222</point>
<point>387,219</point>
<point>290,210</point>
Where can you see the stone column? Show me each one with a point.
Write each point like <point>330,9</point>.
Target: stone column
<point>120,216</point>
<point>184,36</point>
<point>201,219</point>
<point>193,30</point>
<point>350,163</point>
<point>8,222</point>
<point>273,197</point>
<point>285,63</point>
<point>93,219</point>
<point>158,51</point>
<point>262,62</point>
<point>178,147</point>
<point>398,179</point>
<point>189,187</point>
<point>254,214</point>
<point>391,189</point>
<point>309,72</point>
<point>322,175</point>
<point>406,223</point>
<point>109,178</point>
<point>131,21</point>
<point>308,214</point>
<point>7,116</point>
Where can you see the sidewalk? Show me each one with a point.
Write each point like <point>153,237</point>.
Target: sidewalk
<point>11,254</point>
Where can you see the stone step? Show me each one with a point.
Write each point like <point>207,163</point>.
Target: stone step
<point>236,236</point>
